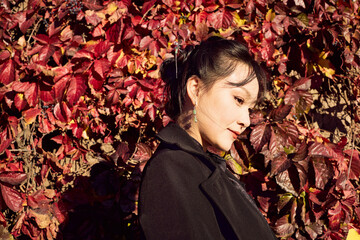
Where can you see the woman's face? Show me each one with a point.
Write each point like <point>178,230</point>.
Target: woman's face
<point>222,111</point>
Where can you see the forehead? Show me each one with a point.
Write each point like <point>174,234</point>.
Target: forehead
<point>243,77</point>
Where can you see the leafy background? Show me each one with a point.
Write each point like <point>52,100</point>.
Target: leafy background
<point>81,102</point>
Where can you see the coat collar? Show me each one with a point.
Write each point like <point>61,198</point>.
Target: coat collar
<point>175,135</point>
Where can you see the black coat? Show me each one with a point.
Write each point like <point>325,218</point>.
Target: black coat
<point>187,193</point>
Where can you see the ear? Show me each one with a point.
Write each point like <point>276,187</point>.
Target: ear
<point>192,88</point>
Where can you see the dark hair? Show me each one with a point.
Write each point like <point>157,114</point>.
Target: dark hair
<point>211,60</point>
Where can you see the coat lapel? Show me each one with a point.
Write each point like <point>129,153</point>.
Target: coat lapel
<point>236,206</point>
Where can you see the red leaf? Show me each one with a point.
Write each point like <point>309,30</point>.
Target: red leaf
<point>114,33</point>
<point>284,181</point>
<point>5,143</point>
<point>42,38</point>
<point>4,55</point>
<point>76,130</point>
<point>302,84</point>
<point>150,110</point>
<point>59,211</point>
<point>314,230</point>
<point>20,86</point>
<point>62,112</point>
<point>355,163</point>
<point>92,4</point>
<point>283,227</point>
<point>260,135</point>
<point>95,84</point>
<point>280,113</point>
<point>20,101</point>
<point>291,97</point>
<point>101,67</point>
<point>256,117</point>
<point>154,48</point>
<point>84,54</point>
<point>276,144</point>
<point>145,42</point>
<point>302,167</point>
<point>220,19</point>
<point>12,198</point>
<point>211,8</point>
<point>319,149</point>
<point>101,48</point>
<point>12,178</point>
<point>31,114</point>
<point>280,164</point>
<point>92,19</point>
<point>46,125</point>
<point>7,72</point>
<point>143,152</point>
<point>147,5</point>
<point>31,94</point>
<point>112,97</point>
<point>76,89</point>
<point>45,53</point>
<point>122,151</point>
<point>301,152</point>
<point>323,172</point>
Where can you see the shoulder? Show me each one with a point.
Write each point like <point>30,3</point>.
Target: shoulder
<point>170,162</point>
<point>168,157</point>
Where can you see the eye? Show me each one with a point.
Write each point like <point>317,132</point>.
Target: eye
<point>239,100</point>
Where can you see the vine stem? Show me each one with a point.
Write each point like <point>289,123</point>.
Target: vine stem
<point>32,32</point>
<point>143,17</point>
<point>352,152</point>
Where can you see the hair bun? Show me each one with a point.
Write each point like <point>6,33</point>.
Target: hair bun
<point>168,70</point>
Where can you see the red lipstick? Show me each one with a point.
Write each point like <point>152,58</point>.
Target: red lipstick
<point>235,133</point>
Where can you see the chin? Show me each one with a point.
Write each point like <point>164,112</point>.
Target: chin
<point>224,147</point>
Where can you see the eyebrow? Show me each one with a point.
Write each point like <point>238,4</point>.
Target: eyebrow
<point>243,82</point>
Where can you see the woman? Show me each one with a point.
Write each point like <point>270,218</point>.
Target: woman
<point>187,192</point>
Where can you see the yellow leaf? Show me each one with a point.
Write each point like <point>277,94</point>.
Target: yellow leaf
<point>111,8</point>
<point>22,42</point>
<point>323,55</point>
<point>84,134</point>
<point>238,21</point>
<point>100,15</point>
<point>91,42</point>
<point>329,72</point>
<point>270,15</point>
<point>234,165</point>
<point>353,235</point>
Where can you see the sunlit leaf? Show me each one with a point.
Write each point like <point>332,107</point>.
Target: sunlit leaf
<point>323,172</point>
<point>260,135</point>
<point>13,178</point>
<point>20,101</point>
<point>7,72</point>
<point>31,114</point>
<point>222,18</point>
<point>284,181</point>
<point>12,198</point>
<point>283,227</point>
<point>77,88</point>
<point>281,112</point>
<point>62,112</point>
<point>143,152</point>
<point>280,164</point>
<point>355,163</point>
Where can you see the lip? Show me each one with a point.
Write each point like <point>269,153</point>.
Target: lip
<point>235,133</point>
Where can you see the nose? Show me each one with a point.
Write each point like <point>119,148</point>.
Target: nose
<point>244,119</point>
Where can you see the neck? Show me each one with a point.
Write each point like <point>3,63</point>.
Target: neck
<point>186,121</point>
